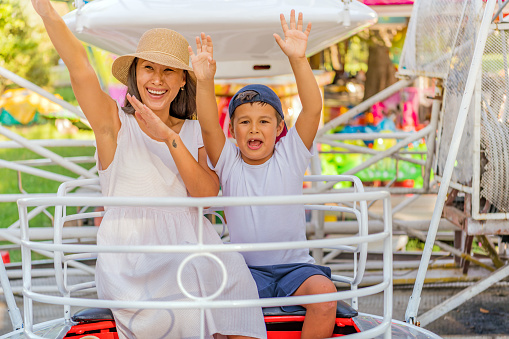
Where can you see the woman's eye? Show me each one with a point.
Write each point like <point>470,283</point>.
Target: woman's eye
<point>168,70</point>
<point>148,67</point>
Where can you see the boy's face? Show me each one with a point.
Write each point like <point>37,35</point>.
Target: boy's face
<point>255,128</point>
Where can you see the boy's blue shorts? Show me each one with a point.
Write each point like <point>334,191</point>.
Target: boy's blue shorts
<point>283,280</point>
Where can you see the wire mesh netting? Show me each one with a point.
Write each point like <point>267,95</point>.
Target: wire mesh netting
<point>459,69</point>
<point>431,35</point>
<point>441,44</point>
<point>495,121</point>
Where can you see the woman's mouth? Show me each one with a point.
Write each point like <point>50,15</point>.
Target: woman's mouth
<point>156,93</point>
<point>254,144</point>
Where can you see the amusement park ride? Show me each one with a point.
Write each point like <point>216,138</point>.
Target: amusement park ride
<point>446,41</point>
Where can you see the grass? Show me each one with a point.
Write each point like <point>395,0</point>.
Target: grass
<point>33,184</point>
<point>418,245</point>
<point>415,244</point>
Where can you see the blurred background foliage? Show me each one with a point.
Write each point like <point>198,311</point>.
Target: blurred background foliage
<point>26,48</point>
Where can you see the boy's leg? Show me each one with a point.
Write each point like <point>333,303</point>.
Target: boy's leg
<point>320,318</point>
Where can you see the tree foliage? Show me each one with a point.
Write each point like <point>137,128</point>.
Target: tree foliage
<point>26,49</point>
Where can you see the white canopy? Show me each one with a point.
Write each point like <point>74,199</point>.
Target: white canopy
<point>241,29</point>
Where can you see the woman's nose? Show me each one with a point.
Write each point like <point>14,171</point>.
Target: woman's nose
<point>157,78</point>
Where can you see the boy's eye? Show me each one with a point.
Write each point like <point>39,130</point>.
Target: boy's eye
<point>243,122</point>
<point>264,121</point>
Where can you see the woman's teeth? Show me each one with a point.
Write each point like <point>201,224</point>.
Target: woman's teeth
<point>151,91</point>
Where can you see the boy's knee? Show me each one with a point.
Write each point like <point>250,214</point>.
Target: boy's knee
<point>323,286</point>
<point>317,284</point>
<point>329,287</point>
<point>325,308</point>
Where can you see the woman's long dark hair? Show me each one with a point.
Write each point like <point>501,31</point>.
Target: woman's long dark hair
<point>182,107</point>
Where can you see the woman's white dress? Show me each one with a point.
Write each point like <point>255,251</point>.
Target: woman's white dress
<point>144,167</point>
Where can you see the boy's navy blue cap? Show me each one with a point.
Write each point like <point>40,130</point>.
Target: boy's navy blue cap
<point>265,94</point>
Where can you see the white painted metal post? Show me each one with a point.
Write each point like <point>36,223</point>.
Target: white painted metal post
<point>12,308</point>
<point>26,259</point>
<point>413,304</point>
<point>387,271</point>
<point>476,161</point>
<point>430,140</point>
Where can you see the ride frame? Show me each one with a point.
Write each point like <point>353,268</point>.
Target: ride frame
<point>430,132</point>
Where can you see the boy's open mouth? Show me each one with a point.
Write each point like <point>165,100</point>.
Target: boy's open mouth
<point>254,144</point>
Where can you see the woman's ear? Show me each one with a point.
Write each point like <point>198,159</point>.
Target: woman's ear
<point>280,127</point>
<point>184,77</point>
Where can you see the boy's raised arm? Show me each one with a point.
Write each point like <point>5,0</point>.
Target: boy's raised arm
<point>204,67</point>
<point>294,46</point>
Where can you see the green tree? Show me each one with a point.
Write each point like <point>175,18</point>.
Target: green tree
<point>25,47</point>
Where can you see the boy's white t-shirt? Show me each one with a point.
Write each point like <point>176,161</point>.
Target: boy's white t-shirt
<point>282,174</point>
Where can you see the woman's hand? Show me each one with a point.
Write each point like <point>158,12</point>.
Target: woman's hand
<point>153,124</point>
<point>204,65</point>
<point>43,7</point>
<point>295,42</point>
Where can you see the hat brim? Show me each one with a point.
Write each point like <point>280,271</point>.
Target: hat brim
<point>121,65</point>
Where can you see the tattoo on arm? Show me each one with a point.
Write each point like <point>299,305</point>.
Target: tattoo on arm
<point>174,144</point>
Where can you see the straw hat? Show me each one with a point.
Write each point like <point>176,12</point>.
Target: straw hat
<point>160,45</point>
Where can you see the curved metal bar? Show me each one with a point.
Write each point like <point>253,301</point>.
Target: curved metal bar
<point>244,247</point>
<point>212,304</point>
<point>82,251</point>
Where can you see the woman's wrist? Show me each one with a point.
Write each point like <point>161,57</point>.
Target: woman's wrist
<point>173,141</point>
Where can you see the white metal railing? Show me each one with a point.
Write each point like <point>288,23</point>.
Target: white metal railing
<point>65,254</point>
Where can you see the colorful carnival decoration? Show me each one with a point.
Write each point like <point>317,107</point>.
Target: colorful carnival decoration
<point>23,107</point>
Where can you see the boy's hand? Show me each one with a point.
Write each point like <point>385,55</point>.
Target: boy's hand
<point>155,126</point>
<point>295,42</point>
<point>204,66</point>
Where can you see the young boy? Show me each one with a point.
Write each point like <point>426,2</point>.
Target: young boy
<point>259,167</point>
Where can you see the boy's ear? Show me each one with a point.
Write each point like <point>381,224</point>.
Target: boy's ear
<point>230,127</point>
<point>280,127</point>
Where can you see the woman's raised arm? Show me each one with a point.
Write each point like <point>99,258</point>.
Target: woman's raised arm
<point>99,108</point>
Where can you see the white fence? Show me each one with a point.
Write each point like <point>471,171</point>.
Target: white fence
<point>67,254</point>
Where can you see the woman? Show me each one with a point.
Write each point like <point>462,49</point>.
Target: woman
<point>150,148</point>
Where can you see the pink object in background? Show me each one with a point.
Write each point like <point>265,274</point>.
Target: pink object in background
<point>378,111</point>
<point>410,108</point>
<point>406,101</point>
<point>388,2</point>
<point>117,92</point>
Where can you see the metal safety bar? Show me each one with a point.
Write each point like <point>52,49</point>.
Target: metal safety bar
<point>79,251</point>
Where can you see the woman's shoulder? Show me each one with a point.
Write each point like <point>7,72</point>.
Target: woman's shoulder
<point>193,123</point>
<point>191,126</point>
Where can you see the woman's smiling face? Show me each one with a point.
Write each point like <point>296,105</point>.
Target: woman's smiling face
<point>158,85</point>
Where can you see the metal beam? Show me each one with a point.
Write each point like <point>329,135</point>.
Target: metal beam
<point>343,118</point>
<point>463,296</point>
<point>413,304</point>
